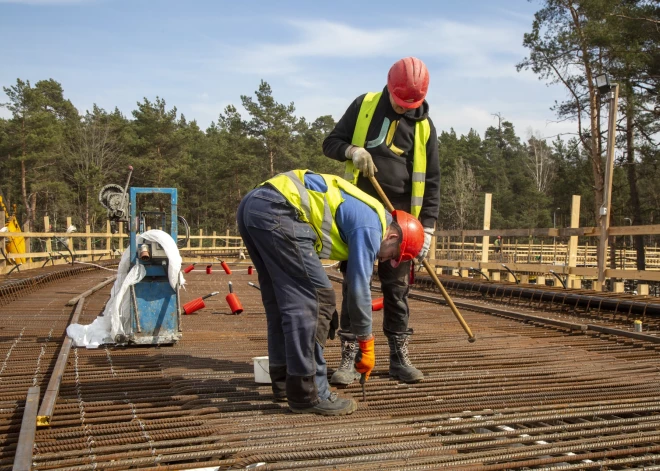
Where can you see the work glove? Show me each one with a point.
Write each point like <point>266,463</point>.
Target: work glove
<point>428,233</point>
<point>365,360</point>
<point>362,160</point>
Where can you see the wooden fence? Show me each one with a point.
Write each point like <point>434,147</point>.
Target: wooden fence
<point>536,252</point>
<point>58,247</point>
<point>544,251</point>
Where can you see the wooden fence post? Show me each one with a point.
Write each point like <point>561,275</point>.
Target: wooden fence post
<point>573,241</point>
<point>485,240</point>
<point>214,236</point>
<point>227,239</point>
<point>201,241</point>
<point>121,237</point>
<point>108,239</point>
<point>69,240</point>
<point>88,242</point>
<point>49,242</point>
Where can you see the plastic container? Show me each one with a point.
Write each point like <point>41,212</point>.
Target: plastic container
<point>234,303</point>
<point>194,305</point>
<point>261,371</point>
<point>209,269</point>
<point>189,268</point>
<point>377,304</point>
<point>250,270</point>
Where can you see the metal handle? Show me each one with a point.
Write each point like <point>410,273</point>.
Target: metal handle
<point>429,269</point>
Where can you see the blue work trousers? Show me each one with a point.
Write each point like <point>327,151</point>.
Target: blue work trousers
<point>297,295</point>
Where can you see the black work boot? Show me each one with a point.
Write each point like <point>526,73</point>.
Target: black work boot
<point>278,382</point>
<point>400,365</point>
<point>334,405</point>
<point>346,373</point>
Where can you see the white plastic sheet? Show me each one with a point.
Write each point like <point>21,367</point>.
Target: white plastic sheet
<point>116,315</point>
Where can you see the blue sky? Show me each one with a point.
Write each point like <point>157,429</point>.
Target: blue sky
<point>202,55</point>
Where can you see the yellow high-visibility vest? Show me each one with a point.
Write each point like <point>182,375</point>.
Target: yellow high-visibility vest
<point>422,134</point>
<point>319,209</point>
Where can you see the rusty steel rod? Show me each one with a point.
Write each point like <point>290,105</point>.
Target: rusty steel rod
<point>50,397</point>
<point>428,267</point>
<point>23,457</point>
<point>92,290</point>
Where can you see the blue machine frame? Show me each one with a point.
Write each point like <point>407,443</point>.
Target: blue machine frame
<point>155,306</point>
<point>174,230</point>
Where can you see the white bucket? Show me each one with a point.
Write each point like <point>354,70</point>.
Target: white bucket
<point>261,371</point>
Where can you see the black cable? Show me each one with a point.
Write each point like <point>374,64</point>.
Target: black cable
<point>183,243</point>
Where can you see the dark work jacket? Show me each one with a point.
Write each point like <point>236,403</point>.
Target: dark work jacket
<point>393,157</point>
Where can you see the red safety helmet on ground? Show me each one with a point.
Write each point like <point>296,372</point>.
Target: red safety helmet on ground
<point>408,82</point>
<point>412,239</point>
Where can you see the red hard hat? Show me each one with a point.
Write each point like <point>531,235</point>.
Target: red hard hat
<point>412,239</point>
<point>408,82</point>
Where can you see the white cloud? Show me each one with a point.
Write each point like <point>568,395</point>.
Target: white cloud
<point>469,49</point>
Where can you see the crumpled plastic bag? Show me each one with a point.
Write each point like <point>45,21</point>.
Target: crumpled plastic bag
<point>117,313</point>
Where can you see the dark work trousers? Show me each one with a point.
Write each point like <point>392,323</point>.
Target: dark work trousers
<point>297,295</point>
<point>395,284</point>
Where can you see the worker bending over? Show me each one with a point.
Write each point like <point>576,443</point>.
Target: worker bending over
<point>389,135</point>
<point>288,224</point>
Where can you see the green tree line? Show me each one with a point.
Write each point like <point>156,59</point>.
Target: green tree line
<point>55,159</point>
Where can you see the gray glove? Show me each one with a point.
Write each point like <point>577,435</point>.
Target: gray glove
<point>428,233</point>
<point>362,160</point>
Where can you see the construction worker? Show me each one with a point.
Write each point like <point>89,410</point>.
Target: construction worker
<point>390,136</point>
<point>287,224</point>
<point>498,244</point>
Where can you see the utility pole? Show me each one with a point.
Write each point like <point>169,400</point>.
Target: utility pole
<point>605,209</point>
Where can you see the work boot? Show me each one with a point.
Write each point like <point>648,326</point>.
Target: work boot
<point>346,373</point>
<point>334,405</point>
<point>400,365</point>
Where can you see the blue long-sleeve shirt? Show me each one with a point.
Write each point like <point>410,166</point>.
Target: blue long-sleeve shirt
<point>359,226</point>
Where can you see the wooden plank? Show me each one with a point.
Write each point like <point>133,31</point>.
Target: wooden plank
<point>55,254</point>
<point>108,239</point>
<point>646,275</point>
<point>606,206</point>
<point>653,229</point>
<point>88,239</point>
<point>485,241</point>
<point>69,240</point>
<point>25,446</point>
<point>521,267</point>
<point>49,242</point>
<point>573,240</point>
<point>584,271</point>
<point>121,237</point>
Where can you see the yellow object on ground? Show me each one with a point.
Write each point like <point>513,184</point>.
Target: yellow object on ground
<point>12,244</point>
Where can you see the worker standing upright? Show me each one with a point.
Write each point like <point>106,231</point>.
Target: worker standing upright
<point>287,224</point>
<point>390,136</point>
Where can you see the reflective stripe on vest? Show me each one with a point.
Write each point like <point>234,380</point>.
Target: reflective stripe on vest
<point>422,134</point>
<point>319,209</point>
